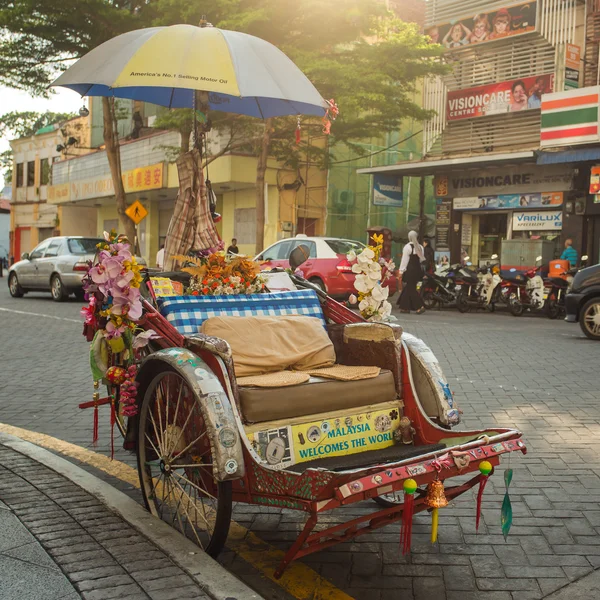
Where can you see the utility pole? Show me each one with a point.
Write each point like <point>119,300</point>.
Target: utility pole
<point>421,207</point>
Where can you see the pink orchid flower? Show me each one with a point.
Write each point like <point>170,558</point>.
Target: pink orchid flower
<point>112,331</point>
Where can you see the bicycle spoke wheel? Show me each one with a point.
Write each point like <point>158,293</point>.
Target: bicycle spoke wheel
<point>175,464</point>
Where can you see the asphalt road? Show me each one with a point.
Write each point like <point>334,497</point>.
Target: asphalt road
<point>538,375</point>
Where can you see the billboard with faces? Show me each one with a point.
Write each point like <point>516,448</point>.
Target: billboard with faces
<point>515,19</point>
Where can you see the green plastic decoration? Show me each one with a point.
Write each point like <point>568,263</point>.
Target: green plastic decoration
<point>506,514</point>
<point>98,356</point>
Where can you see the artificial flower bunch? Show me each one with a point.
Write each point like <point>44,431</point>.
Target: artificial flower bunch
<point>219,274</point>
<point>372,271</point>
<point>112,287</point>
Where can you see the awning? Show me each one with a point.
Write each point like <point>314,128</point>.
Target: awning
<point>431,167</point>
<point>568,156</point>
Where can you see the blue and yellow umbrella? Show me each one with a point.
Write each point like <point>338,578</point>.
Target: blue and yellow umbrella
<point>166,65</point>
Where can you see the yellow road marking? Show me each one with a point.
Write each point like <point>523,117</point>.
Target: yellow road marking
<point>298,579</point>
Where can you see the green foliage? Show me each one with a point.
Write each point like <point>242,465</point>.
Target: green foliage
<point>38,37</point>
<point>6,163</point>
<point>17,124</point>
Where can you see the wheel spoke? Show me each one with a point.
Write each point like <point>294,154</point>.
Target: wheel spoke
<point>192,443</point>
<point>188,516</point>
<point>162,430</point>
<point>153,447</point>
<point>158,437</point>
<point>177,410</point>
<point>194,485</point>
<point>187,420</point>
<point>155,485</point>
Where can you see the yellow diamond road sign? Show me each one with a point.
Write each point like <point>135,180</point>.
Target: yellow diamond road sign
<point>136,212</point>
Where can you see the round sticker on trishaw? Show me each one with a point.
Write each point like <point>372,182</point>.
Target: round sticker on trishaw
<point>231,467</point>
<point>275,451</point>
<point>313,434</point>
<point>227,437</point>
<point>383,423</point>
<point>325,426</point>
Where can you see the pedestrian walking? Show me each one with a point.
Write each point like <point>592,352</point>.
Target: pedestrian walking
<point>160,257</point>
<point>429,256</point>
<point>411,273</point>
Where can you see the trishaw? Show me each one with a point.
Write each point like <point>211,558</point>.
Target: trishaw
<point>203,438</point>
<point>203,441</point>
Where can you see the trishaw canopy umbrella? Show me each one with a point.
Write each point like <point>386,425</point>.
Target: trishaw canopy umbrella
<point>166,65</point>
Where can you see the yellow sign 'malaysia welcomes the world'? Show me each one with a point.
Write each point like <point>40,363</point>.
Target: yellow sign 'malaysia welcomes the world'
<point>136,212</point>
<point>336,434</point>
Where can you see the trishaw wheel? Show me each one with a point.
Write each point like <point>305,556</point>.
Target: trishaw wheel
<point>175,465</point>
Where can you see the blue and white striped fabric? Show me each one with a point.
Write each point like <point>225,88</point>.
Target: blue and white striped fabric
<point>187,313</point>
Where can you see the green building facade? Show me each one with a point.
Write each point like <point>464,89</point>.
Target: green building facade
<point>350,208</point>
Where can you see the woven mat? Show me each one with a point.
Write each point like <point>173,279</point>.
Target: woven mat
<point>277,379</point>
<point>345,373</point>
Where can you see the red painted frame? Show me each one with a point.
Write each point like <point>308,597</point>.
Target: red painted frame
<point>331,490</point>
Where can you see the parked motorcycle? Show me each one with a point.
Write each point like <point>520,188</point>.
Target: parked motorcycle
<point>556,289</point>
<point>479,289</point>
<point>523,290</point>
<point>439,288</point>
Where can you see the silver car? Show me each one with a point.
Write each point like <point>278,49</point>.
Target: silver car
<point>57,265</point>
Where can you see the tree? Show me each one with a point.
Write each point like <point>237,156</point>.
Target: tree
<point>39,38</point>
<point>17,124</point>
<point>354,51</point>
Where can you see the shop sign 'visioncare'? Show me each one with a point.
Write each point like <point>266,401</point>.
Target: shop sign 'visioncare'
<point>513,180</point>
<point>496,98</point>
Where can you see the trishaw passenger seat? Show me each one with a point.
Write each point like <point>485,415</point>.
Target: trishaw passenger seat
<point>187,313</point>
<point>318,395</point>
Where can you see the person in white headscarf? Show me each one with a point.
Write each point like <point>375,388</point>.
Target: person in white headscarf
<point>411,273</point>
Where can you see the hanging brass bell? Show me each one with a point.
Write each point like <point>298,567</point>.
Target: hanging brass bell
<point>435,495</point>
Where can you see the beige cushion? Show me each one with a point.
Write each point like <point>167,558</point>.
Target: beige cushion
<point>317,396</point>
<point>277,379</point>
<point>267,344</point>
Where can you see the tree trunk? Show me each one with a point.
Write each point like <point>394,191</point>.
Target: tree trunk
<point>261,169</point>
<point>185,139</point>
<point>113,153</point>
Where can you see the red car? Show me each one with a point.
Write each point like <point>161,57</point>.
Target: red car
<point>327,265</point>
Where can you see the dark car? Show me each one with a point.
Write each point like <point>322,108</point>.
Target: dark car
<point>583,301</point>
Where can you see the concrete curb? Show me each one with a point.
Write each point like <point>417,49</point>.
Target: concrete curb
<point>216,581</point>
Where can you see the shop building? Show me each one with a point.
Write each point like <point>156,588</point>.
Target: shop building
<point>496,191</point>
<point>81,184</point>
<point>32,218</point>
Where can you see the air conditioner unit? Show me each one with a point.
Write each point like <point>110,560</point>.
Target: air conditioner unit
<point>343,199</point>
<point>286,226</point>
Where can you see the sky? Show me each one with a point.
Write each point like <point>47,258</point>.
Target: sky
<point>10,100</point>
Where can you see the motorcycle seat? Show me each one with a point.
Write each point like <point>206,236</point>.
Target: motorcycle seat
<point>559,282</point>
<point>515,276</point>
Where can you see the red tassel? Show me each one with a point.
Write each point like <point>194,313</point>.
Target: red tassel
<point>113,420</point>
<point>482,483</point>
<point>410,487</point>
<point>95,433</point>
<point>298,135</point>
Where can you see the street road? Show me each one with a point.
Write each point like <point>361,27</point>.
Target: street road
<point>537,375</point>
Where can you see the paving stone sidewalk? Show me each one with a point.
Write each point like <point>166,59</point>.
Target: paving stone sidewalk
<point>60,543</point>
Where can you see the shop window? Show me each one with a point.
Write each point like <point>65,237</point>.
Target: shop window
<point>20,175</point>
<point>245,225</point>
<point>44,171</point>
<point>30,174</point>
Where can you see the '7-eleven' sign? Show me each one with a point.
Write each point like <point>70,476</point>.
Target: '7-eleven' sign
<point>570,118</point>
